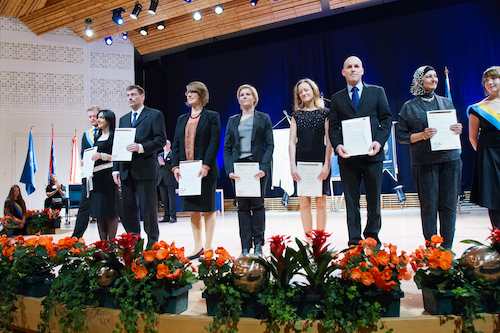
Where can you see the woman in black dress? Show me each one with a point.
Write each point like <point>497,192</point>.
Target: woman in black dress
<point>308,134</point>
<point>16,207</point>
<point>55,192</point>
<point>249,138</point>
<point>197,137</point>
<point>102,196</point>
<point>484,135</point>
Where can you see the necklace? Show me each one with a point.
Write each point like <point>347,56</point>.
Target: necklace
<point>198,116</point>
<point>428,99</point>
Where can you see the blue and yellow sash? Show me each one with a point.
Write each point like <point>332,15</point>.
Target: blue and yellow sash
<point>485,112</point>
<point>19,209</point>
<point>89,136</point>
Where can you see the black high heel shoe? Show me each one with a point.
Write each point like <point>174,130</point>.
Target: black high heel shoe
<point>195,256</point>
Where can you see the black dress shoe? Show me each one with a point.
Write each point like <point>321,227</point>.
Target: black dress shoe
<point>258,250</point>
<point>244,252</point>
<point>173,220</point>
<point>195,256</point>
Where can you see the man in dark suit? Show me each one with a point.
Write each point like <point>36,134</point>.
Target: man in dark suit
<point>167,185</point>
<point>138,177</point>
<point>360,100</point>
<point>88,138</point>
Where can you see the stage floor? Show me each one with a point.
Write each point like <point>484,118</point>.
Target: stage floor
<point>399,227</point>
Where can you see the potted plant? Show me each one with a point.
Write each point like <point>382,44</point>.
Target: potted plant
<point>42,221</point>
<point>7,225</point>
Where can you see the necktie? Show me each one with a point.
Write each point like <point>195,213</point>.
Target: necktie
<point>96,131</point>
<point>134,118</point>
<point>355,98</point>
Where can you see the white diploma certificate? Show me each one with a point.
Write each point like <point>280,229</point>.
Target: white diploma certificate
<point>123,137</point>
<point>357,135</point>
<point>445,138</point>
<point>88,165</point>
<point>247,185</point>
<point>189,182</point>
<point>309,185</point>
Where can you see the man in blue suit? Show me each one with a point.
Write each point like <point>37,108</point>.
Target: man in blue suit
<point>138,177</point>
<point>360,100</point>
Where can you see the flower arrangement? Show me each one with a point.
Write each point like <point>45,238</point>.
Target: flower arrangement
<point>41,220</point>
<point>382,268</point>
<point>9,223</point>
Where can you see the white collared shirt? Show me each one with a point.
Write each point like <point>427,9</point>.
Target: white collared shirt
<point>360,89</point>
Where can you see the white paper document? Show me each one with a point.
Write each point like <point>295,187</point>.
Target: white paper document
<point>309,185</point>
<point>357,135</point>
<point>88,165</point>
<point>189,182</point>
<point>445,138</point>
<point>247,185</point>
<point>123,137</point>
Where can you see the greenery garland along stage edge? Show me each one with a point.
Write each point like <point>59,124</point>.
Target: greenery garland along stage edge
<point>140,280</point>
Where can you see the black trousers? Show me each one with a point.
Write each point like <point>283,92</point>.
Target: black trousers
<point>438,187</point>
<point>252,217</point>
<point>144,192</point>
<point>82,218</point>
<point>168,199</point>
<point>351,176</point>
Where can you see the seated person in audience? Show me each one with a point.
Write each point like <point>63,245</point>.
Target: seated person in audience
<point>55,194</point>
<point>14,206</point>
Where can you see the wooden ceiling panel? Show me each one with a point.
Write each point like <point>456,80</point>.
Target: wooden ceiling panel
<point>42,16</point>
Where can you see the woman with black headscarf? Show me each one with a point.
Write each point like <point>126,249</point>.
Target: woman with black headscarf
<point>437,174</point>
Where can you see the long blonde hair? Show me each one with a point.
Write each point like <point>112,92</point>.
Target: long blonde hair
<point>317,98</point>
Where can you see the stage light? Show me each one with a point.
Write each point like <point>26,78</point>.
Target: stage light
<point>144,31</point>
<point>218,9</point>
<point>136,11</point>
<point>188,1</point>
<point>254,3</point>
<point>152,7</point>
<point>117,15</point>
<point>125,36</point>
<point>88,29</point>
<point>108,40</point>
<point>160,25</point>
<point>197,15</point>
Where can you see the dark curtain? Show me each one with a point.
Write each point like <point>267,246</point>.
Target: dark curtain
<point>391,39</point>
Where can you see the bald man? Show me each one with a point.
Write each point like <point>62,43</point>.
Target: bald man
<point>360,100</point>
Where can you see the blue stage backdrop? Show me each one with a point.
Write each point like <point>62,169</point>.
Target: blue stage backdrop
<point>392,40</point>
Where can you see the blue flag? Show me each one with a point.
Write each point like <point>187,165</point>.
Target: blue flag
<point>52,163</point>
<point>447,89</point>
<point>28,176</point>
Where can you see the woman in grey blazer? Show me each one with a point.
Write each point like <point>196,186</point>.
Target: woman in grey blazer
<point>436,174</point>
<point>249,138</point>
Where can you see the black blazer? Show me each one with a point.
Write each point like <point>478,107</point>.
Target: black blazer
<point>262,142</point>
<point>373,103</point>
<point>165,171</point>
<point>206,142</point>
<point>150,132</point>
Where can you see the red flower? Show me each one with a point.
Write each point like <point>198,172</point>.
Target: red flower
<point>318,239</point>
<point>278,245</point>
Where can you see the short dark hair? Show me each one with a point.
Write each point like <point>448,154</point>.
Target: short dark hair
<point>493,72</point>
<point>138,87</point>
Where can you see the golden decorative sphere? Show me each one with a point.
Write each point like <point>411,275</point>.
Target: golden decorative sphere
<point>486,261</point>
<point>106,276</point>
<point>248,273</point>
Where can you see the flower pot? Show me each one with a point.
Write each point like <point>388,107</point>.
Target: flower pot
<point>250,308</point>
<point>104,299</point>
<point>438,303</point>
<point>177,302</point>
<point>36,285</point>
<point>7,232</point>
<point>305,304</point>
<point>391,302</point>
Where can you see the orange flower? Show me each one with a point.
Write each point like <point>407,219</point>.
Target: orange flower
<point>387,274</point>
<point>371,242</point>
<point>444,263</point>
<point>162,271</point>
<point>140,272</point>
<point>403,258</point>
<point>389,285</point>
<point>355,273</point>
<point>175,275</point>
<point>149,256</point>
<point>383,258</point>
<point>7,252</point>
<point>375,273</point>
<point>161,254</point>
<point>209,254</point>
<point>433,263</point>
<point>367,278</point>
<point>435,239</point>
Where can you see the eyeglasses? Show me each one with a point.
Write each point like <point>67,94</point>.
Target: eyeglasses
<point>190,92</point>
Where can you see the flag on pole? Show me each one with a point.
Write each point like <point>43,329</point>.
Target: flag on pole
<point>75,173</point>
<point>52,163</point>
<point>30,167</point>
<point>447,91</point>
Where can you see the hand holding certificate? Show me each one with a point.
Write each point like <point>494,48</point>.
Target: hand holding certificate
<point>189,182</point>
<point>357,136</point>
<point>88,165</point>
<point>445,138</point>
<point>122,138</point>
<point>247,185</point>
<point>309,185</point>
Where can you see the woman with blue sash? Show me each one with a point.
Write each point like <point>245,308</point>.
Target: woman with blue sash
<point>16,207</point>
<point>484,135</point>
